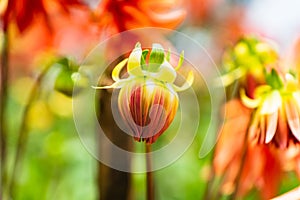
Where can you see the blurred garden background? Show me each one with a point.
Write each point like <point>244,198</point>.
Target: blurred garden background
<point>43,45</point>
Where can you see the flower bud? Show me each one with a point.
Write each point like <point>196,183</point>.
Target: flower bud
<point>148,107</point>
<point>148,100</point>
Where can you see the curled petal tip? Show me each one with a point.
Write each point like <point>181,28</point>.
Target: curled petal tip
<point>118,84</point>
<point>181,59</point>
<point>250,103</point>
<point>187,84</point>
<point>117,70</point>
<point>134,61</point>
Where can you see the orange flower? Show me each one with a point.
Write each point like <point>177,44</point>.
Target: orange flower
<point>124,15</point>
<point>25,12</point>
<point>50,26</point>
<point>261,168</point>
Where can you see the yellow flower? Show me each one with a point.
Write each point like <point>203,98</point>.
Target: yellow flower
<point>249,56</point>
<point>148,99</point>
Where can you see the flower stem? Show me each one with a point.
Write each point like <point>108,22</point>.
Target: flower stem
<point>150,180</point>
<point>3,99</point>
<point>209,192</point>
<point>243,162</point>
<point>23,131</point>
<point>209,186</point>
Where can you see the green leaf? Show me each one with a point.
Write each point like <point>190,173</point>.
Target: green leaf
<point>157,57</point>
<point>64,82</point>
<point>67,64</point>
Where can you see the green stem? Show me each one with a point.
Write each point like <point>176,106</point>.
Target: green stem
<point>209,186</point>
<point>150,180</point>
<point>3,101</point>
<point>23,131</point>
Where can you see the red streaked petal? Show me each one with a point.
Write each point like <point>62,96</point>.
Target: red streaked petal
<point>281,136</point>
<point>293,118</point>
<point>271,126</point>
<point>147,108</point>
<point>262,134</point>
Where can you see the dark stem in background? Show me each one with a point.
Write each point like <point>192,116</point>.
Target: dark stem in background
<point>3,99</point>
<point>23,131</point>
<point>112,184</point>
<point>149,178</point>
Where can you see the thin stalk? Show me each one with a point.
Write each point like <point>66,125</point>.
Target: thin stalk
<point>242,165</point>
<point>150,180</point>
<point>209,186</point>
<point>23,131</point>
<point>208,194</point>
<point>3,99</point>
<point>239,176</point>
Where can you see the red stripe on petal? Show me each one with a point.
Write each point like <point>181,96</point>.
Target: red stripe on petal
<point>271,126</point>
<point>293,118</point>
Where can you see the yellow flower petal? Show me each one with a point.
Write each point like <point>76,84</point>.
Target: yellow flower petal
<point>230,77</point>
<point>117,70</point>
<point>261,90</point>
<point>187,84</point>
<point>134,61</point>
<point>166,73</point>
<point>250,103</point>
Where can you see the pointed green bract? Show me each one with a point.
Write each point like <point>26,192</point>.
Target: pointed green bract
<point>274,80</point>
<point>157,57</point>
<point>181,59</point>
<point>143,59</point>
<point>168,55</point>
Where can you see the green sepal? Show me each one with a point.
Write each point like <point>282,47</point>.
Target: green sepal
<point>143,59</point>
<point>168,56</point>
<point>274,80</point>
<point>63,82</point>
<point>157,57</point>
<point>181,59</point>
